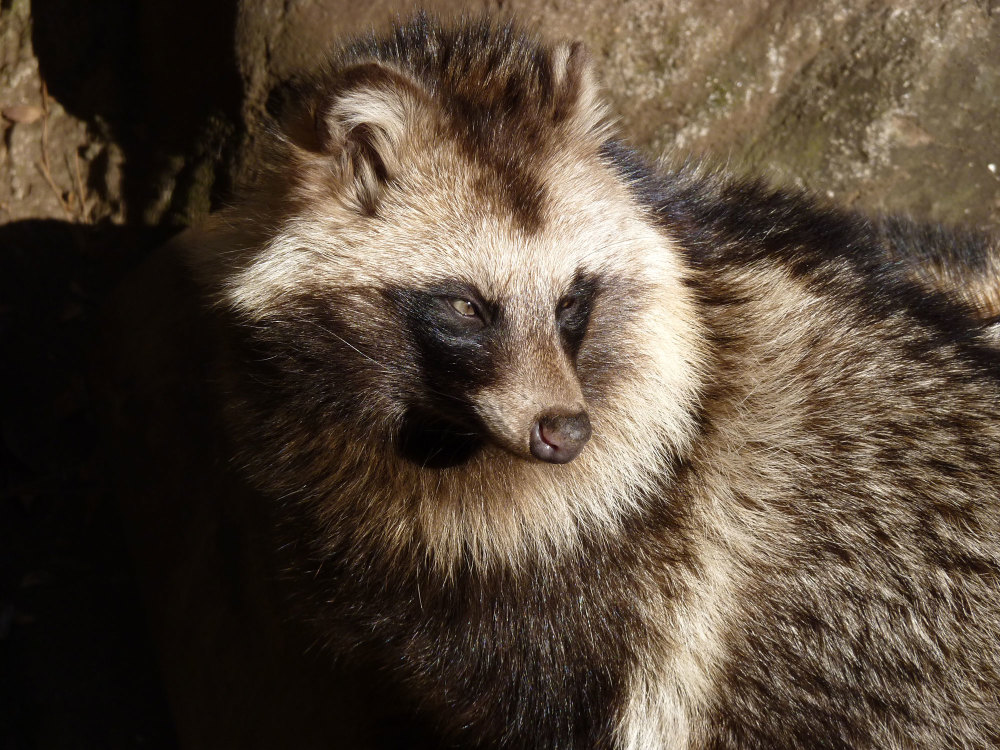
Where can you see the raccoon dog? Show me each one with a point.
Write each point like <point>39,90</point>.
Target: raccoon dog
<point>596,455</point>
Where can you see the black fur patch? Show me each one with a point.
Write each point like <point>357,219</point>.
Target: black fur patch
<point>313,360</point>
<point>435,443</point>
<point>573,311</point>
<point>456,356</point>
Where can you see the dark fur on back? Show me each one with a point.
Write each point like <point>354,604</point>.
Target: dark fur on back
<point>800,545</point>
<point>960,263</point>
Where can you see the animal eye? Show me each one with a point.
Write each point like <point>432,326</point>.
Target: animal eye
<point>566,303</point>
<point>464,307</point>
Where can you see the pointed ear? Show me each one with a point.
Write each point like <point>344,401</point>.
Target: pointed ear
<point>577,91</point>
<point>357,118</point>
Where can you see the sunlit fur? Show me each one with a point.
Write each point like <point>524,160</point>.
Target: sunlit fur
<point>783,531</point>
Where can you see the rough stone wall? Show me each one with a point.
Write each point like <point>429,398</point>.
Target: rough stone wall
<point>886,104</point>
<point>889,105</point>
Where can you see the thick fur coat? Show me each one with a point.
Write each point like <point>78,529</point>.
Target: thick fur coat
<point>784,529</point>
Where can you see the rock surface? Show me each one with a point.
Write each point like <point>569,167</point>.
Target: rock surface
<point>890,106</point>
<point>887,105</point>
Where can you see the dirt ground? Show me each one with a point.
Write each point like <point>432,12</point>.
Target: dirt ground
<point>122,123</point>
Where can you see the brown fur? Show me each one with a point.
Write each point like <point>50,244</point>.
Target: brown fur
<point>965,264</point>
<point>961,264</point>
<point>783,532</point>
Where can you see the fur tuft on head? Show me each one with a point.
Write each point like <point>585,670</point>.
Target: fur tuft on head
<point>577,90</point>
<point>357,121</point>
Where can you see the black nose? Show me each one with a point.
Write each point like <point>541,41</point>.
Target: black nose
<point>559,438</point>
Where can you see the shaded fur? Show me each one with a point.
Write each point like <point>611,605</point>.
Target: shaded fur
<point>962,264</point>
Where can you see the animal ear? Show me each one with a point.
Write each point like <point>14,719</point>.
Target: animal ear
<point>358,119</point>
<point>577,91</point>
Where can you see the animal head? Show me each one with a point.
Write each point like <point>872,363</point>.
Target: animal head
<point>442,276</point>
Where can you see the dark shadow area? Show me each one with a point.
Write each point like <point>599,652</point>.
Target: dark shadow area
<point>240,665</point>
<point>77,668</point>
<point>109,472</point>
<point>429,441</point>
<point>159,78</point>
<point>122,526</point>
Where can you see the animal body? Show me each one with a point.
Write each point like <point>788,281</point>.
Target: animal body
<point>590,454</point>
<point>964,265</point>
